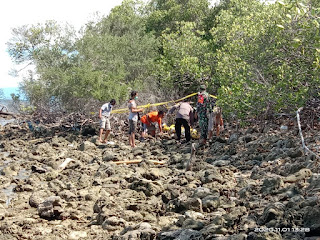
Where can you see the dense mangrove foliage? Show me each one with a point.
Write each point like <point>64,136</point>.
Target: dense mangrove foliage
<point>258,57</point>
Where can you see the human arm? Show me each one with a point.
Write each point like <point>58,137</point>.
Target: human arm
<point>174,107</point>
<point>134,110</point>
<point>195,116</point>
<point>160,125</point>
<point>100,113</point>
<point>149,120</point>
<point>191,118</point>
<point>133,107</point>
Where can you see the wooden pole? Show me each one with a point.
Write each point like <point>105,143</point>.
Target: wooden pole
<point>305,148</point>
<point>137,161</point>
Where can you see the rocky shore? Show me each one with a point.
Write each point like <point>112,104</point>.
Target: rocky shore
<point>244,185</point>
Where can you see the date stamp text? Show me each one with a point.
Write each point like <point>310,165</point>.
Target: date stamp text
<point>282,230</point>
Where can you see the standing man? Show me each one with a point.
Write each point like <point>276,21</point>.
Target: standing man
<point>149,121</point>
<point>183,117</point>
<point>133,117</point>
<point>104,115</point>
<point>204,107</point>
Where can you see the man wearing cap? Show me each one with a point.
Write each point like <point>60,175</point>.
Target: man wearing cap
<point>204,107</point>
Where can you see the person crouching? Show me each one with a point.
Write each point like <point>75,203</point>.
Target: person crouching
<point>148,122</point>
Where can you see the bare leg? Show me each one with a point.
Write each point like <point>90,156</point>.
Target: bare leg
<point>220,124</point>
<point>106,135</point>
<point>153,133</point>
<point>143,134</point>
<point>210,134</point>
<point>202,141</point>
<point>132,140</point>
<point>100,134</point>
<point>218,131</point>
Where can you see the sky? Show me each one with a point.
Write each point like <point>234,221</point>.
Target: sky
<point>15,13</point>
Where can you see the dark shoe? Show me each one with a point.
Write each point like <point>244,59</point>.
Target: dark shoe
<point>142,139</point>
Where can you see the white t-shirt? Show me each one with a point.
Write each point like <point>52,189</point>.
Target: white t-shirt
<point>133,115</point>
<point>106,109</point>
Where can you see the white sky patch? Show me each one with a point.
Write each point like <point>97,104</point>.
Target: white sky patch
<point>15,13</point>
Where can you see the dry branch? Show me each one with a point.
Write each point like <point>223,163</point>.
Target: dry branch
<point>305,148</point>
<point>8,114</point>
<point>138,161</point>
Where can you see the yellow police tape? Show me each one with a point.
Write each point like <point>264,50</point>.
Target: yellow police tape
<point>124,110</point>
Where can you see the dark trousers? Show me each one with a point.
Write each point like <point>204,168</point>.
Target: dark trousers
<point>179,123</point>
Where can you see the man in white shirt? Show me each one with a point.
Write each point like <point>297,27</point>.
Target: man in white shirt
<point>104,115</point>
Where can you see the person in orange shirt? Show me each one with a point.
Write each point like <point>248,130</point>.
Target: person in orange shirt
<point>148,122</point>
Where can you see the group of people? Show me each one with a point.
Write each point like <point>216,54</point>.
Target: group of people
<point>208,116</point>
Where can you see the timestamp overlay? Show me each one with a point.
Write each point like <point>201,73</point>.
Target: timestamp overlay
<point>282,230</point>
